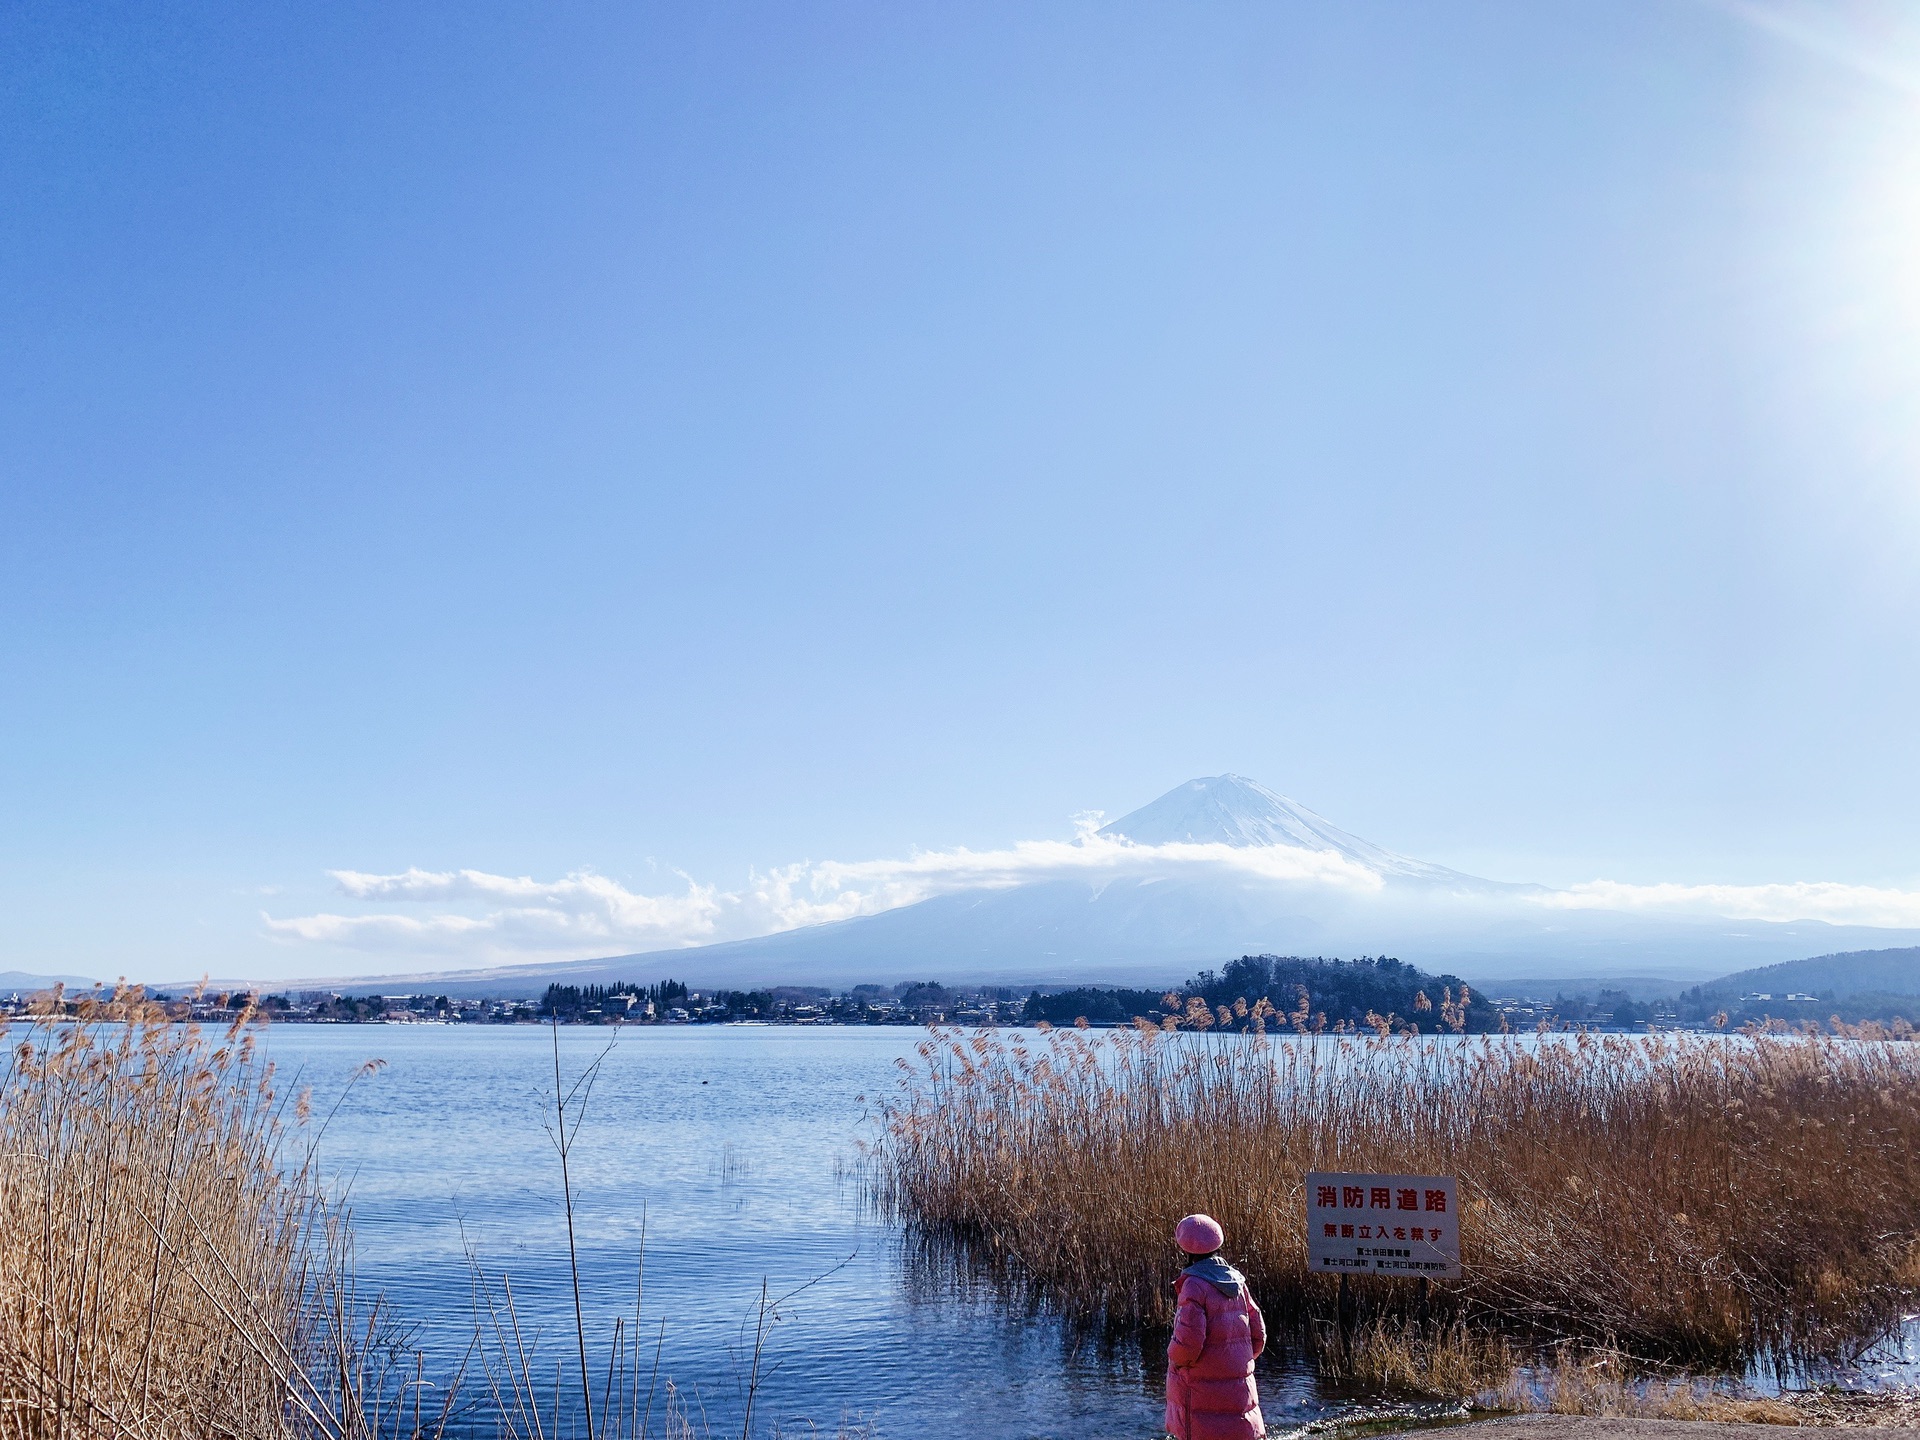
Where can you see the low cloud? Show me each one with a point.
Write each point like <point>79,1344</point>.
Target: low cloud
<point>1834,903</point>
<point>471,917</point>
<point>517,916</point>
<point>484,918</point>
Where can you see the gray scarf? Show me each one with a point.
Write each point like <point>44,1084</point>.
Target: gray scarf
<point>1217,1273</point>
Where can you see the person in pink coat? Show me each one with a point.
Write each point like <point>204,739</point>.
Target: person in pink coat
<point>1218,1332</point>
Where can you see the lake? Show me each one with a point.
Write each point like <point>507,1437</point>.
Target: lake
<point>735,1144</point>
<point>738,1147</point>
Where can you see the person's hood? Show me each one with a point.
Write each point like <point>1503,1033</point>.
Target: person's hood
<point>1217,1273</point>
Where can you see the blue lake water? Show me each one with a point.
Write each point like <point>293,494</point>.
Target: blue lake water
<point>735,1144</point>
<point>739,1147</point>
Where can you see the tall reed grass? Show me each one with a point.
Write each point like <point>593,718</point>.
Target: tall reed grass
<point>168,1264</point>
<point>172,1269</point>
<point>1688,1198</point>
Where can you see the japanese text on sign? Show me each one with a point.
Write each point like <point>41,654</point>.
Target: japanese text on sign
<point>1384,1224</point>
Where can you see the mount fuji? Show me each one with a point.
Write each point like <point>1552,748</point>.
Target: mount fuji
<point>1232,810</point>
<point>1215,868</point>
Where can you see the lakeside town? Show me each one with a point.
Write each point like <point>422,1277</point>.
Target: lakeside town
<point>920,1003</point>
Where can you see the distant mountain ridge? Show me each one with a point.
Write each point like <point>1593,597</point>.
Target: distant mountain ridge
<point>1153,922</point>
<point>19,982</point>
<point>1852,972</point>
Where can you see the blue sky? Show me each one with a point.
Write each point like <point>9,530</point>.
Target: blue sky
<point>646,442</point>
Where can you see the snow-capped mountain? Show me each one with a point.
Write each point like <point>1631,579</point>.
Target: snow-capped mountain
<point>1233,810</point>
<point>1215,868</point>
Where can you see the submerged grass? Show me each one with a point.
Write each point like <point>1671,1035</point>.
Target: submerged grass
<point>1692,1199</point>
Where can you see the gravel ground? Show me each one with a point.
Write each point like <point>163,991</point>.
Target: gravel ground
<point>1895,1409</point>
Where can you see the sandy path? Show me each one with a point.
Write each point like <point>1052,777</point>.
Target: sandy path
<point>1583,1427</point>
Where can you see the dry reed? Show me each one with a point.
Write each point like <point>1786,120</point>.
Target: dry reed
<point>1606,1383</point>
<point>168,1266</point>
<point>1452,1360</point>
<point>1686,1198</point>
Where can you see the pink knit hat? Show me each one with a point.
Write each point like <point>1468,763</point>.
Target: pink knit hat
<point>1199,1235</point>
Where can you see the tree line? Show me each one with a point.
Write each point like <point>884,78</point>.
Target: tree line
<point>1285,992</point>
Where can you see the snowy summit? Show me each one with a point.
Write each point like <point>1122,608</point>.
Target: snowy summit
<point>1233,810</point>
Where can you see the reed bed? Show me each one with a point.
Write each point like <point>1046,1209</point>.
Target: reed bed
<point>1690,1199</point>
<point>168,1265</point>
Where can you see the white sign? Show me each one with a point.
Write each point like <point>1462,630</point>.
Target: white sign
<point>1407,1225</point>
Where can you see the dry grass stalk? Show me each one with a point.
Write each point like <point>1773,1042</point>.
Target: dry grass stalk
<point>1450,1360</point>
<point>167,1269</point>
<point>1492,1376</point>
<point>1687,1198</point>
<point>1605,1383</point>
<point>525,1408</point>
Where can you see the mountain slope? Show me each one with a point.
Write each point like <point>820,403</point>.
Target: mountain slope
<point>19,982</point>
<point>1147,935</point>
<point>1233,810</point>
<point>1153,918</point>
<point>1853,972</point>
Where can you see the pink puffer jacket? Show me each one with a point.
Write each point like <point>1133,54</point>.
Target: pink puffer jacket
<point>1217,1333</point>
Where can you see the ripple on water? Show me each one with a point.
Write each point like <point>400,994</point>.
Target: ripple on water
<point>732,1146</point>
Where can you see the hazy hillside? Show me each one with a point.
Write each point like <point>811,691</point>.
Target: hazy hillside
<point>1855,972</point>
<point>19,982</point>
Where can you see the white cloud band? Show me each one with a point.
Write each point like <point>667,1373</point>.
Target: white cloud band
<point>583,913</point>
<point>473,917</point>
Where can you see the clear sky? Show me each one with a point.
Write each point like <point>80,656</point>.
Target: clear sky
<point>639,441</point>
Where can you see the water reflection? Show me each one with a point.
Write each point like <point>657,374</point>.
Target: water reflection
<point>739,1146</point>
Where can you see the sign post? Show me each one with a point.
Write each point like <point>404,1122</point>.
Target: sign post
<point>1394,1225</point>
